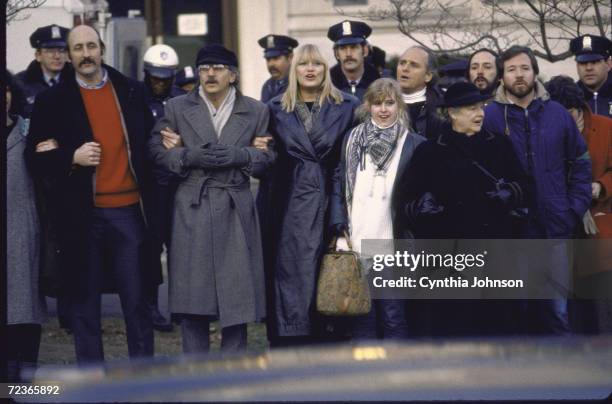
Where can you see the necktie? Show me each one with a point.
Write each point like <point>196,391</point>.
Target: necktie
<point>52,82</point>
<point>353,84</point>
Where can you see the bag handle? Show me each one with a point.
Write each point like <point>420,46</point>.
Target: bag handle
<point>334,239</point>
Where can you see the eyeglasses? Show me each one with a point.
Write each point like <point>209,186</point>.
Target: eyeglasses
<point>216,68</point>
<point>53,51</point>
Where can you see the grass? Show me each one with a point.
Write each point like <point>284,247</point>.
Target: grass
<point>57,346</point>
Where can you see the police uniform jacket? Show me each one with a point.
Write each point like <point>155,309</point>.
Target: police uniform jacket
<point>600,104</point>
<point>32,82</point>
<point>370,74</point>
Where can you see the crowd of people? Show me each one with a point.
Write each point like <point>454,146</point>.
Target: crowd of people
<point>104,172</point>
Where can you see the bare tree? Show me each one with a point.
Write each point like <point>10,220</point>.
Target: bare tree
<point>455,26</point>
<point>14,7</point>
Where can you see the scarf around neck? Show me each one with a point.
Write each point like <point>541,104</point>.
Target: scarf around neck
<point>220,116</point>
<point>307,116</point>
<point>370,139</point>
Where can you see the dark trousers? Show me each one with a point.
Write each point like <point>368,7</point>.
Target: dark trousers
<point>196,338</point>
<point>117,240</point>
<point>22,351</point>
<point>386,320</point>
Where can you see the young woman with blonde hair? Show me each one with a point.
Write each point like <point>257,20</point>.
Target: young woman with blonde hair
<point>308,123</point>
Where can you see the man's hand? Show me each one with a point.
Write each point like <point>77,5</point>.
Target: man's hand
<point>595,190</point>
<point>170,138</point>
<point>261,142</point>
<point>88,154</point>
<point>47,145</point>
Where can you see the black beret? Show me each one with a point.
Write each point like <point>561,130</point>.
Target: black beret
<point>276,45</point>
<point>51,36</point>
<point>216,54</point>
<point>589,48</point>
<point>349,32</point>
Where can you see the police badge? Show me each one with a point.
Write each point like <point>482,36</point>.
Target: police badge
<point>55,32</point>
<point>587,43</point>
<point>346,28</point>
<point>270,43</point>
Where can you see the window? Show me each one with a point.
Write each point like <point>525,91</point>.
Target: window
<point>350,3</point>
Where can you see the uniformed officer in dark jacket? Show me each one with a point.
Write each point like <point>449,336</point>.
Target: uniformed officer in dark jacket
<point>278,51</point>
<point>352,74</point>
<point>48,69</point>
<point>593,64</point>
<point>160,64</point>
<point>49,66</point>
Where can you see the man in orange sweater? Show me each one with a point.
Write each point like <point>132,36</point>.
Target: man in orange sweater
<point>87,138</point>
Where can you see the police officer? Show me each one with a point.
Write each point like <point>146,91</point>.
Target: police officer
<point>593,62</point>
<point>49,66</point>
<point>160,64</point>
<point>352,74</point>
<point>186,79</point>
<point>278,51</point>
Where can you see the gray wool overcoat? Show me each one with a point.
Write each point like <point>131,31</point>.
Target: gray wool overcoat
<point>25,304</point>
<point>215,261</point>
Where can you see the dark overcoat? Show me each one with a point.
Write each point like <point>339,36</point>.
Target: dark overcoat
<point>59,113</point>
<point>445,168</point>
<point>300,212</point>
<point>216,262</point>
<point>370,75</point>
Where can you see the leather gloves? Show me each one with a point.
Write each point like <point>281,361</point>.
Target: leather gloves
<point>215,156</point>
<point>198,158</point>
<point>229,156</point>
<point>426,205</point>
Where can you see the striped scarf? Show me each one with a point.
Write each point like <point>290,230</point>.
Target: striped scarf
<point>369,139</point>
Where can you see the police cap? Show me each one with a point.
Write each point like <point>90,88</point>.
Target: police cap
<point>51,36</point>
<point>186,75</point>
<point>349,32</point>
<point>276,45</point>
<point>590,48</point>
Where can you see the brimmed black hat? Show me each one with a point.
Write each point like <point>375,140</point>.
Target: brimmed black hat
<point>349,32</point>
<point>216,54</point>
<point>590,48</point>
<point>462,94</point>
<point>51,36</point>
<point>276,45</point>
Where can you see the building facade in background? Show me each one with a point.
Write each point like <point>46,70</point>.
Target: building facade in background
<point>187,24</point>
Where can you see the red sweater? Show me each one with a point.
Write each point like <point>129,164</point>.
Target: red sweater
<point>115,184</point>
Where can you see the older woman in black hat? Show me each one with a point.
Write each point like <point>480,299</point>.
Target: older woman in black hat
<point>462,184</point>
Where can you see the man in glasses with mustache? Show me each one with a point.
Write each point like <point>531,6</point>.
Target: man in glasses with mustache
<point>553,153</point>
<point>49,66</point>
<point>352,74</point>
<point>278,52</point>
<point>215,260</point>
<point>88,139</point>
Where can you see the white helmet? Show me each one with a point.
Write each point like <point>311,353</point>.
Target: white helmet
<point>160,61</point>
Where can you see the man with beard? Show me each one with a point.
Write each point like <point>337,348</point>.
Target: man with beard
<point>160,64</point>
<point>49,66</point>
<point>351,74</point>
<point>483,71</point>
<point>278,52</point>
<point>87,136</point>
<point>593,62</point>
<point>416,74</point>
<point>553,153</point>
